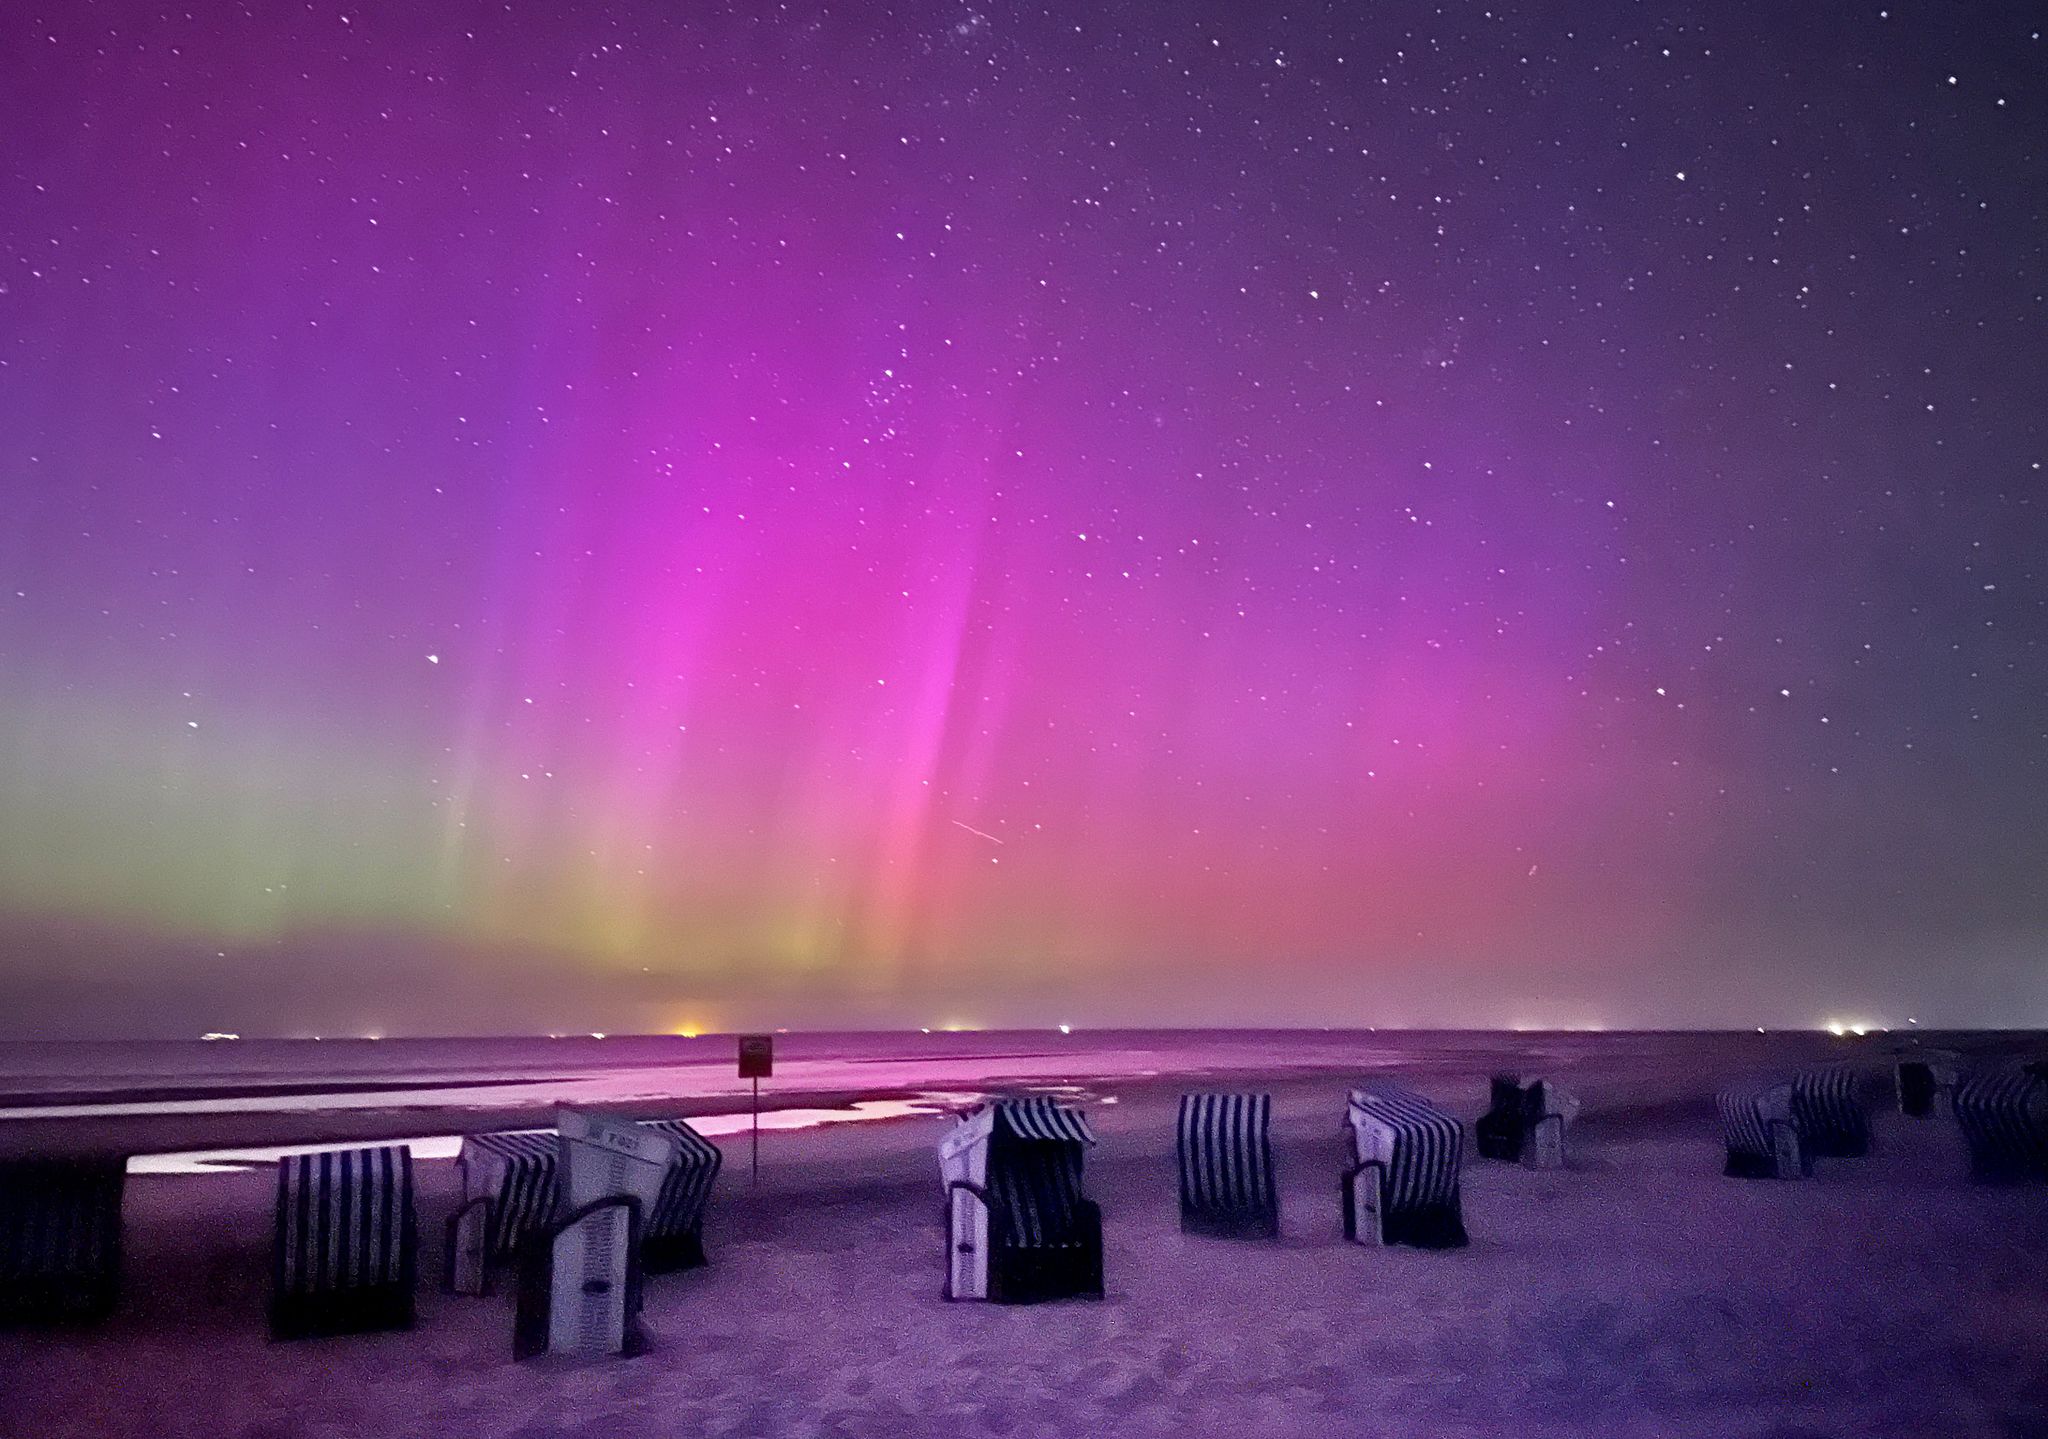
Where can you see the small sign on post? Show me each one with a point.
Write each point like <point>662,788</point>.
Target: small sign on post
<point>757,1056</point>
<point>757,1062</point>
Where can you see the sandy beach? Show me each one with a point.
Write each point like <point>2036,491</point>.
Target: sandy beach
<point>1637,1293</point>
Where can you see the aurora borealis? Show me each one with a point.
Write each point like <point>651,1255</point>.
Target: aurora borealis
<point>655,515</point>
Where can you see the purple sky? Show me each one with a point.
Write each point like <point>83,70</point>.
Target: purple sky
<point>644,516</point>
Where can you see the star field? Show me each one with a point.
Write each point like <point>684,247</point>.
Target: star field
<point>651,515</point>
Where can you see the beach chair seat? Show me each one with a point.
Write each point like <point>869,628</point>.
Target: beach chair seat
<point>1227,1181</point>
<point>2003,1114</point>
<point>1019,1226</point>
<point>60,1238</point>
<point>346,1251</point>
<point>1828,1108</point>
<point>1761,1133</point>
<point>1403,1185</point>
<point>515,1171</point>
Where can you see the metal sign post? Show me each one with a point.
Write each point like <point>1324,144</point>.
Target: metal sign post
<point>757,1062</point>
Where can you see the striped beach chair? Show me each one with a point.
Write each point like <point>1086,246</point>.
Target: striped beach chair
<point>60,1238</point>
<point>346,1253</point>
<point>1227,1182</point>
<point>1828,1109</point>
<point>674,1233</point>
<point>1019,1226</point>
<point>1403,1185</point>
<point>515,1172</point>
<point>1761,1133</point>
<point>2003,1114</point>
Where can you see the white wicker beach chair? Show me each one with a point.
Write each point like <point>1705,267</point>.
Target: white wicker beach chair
<point>1019,1227</point>
<point>1403,1185</point>
<point>1761,1133</point>
<point>512,1176</point>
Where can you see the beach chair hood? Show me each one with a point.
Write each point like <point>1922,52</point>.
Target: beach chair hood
<point>963,1154</point>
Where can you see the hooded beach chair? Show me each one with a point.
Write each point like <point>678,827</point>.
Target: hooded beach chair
<point>1924,1079</point>
<point>2003,1114</point>
<point>346,1253</point>
<point>1018,1226</point>
<point>1403,1184</point>
<point>1527,1122</point>
<point>1761,1132</point>
<point>1227,1184</point>
<point>511,1176</point>
<point>60,1238</point>
<point>1829,1112</point>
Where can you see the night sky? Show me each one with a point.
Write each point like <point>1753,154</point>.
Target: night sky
<point>673,515</point>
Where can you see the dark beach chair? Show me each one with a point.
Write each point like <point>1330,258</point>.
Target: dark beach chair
<point>1498,1133</point>
<point>60,1238</point>
<point>1403,1185</point>
<point>1019,1226</point>
<point>1227,1182</point>
<point>2003,1114</point>
<point>1526,1122</point>
<point>1762,1135</point>
<point>1828,1109</point>
<point>1924,1080</point>
<point>515,1173</point>
<point>346,1253</point>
